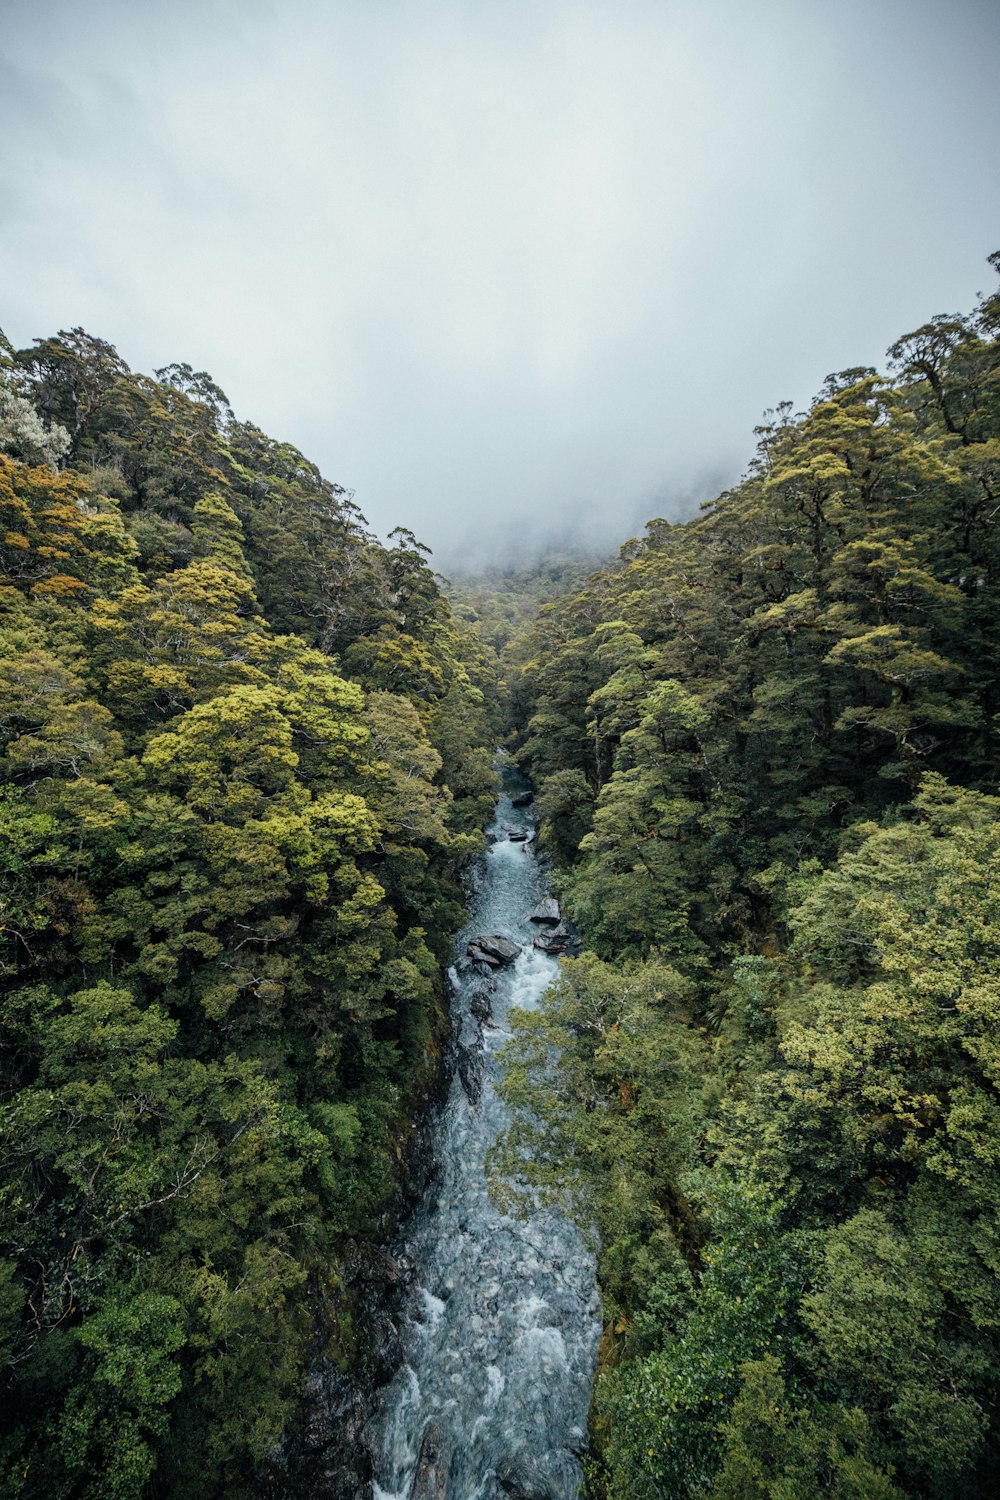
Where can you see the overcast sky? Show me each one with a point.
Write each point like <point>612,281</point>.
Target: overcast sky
<point>512,272</point>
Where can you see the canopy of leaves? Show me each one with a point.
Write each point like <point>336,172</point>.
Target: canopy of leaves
<point>245,753</point>
<point>764,745</point>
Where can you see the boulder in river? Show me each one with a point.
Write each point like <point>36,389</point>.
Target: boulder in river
<point>431,1478</point>
<point>483,960</point>
<point>547,911</point>
<point>561,939</point>
<point>481,1005</point>
<point>498,950</point>
<point>517,1485</point>
<point>522,799</point>
<point>519,835</point>
<point>471,1065</point>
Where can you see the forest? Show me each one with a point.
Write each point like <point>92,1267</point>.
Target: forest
<point>248,754</point>
<point>765,748</point>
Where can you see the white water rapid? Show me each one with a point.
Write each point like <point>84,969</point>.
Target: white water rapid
<point>503,1316</point>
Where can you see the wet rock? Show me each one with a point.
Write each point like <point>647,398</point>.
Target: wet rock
<point>329,1451</point>
<point>383,1348</point>
<point>564,938</point>
<point>481,1004</point>
<point>550,945</point>
<point>481,959</point>
<point>519,835</point>
<point>373,1263</point>
<point>547,911</point>
<point>522,799</point>
<point>471,1059</point>
<point>518,1486</point>
<point>430,1482</point>
<point>497,949</point>
<point>471,1066</point>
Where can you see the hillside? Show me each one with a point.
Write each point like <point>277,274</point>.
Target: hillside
<point>246,752</point>
<point>765,751</point>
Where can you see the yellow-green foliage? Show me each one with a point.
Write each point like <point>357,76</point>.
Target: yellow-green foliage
<point>228,882</point>
<point>764,747</point>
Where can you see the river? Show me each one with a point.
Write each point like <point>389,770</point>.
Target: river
<point>502,1320</point>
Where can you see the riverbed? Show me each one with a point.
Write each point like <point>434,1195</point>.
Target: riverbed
<point>502,1317</point>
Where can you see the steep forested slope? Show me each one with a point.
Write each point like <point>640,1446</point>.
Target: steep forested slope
<point>764,745</point>
<point>245,752</point>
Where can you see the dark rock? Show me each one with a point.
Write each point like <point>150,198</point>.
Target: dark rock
<point>499,950</point>
<point>431,1478</point>
<point>471,1066</point>
<point>481,1005</point>
<point>383,1346</point>
<point>522,799</point>
<point>517,1485</point>
<point>547,911</point>
<point>366,1262</point>
<point>481,958</point>
<point>561,939</point>
<point>329,1451</point>
<point>519,835</point>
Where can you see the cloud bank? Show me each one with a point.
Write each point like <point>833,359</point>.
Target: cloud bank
<point>516,273</point>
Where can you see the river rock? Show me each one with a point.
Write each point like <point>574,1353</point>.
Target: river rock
<point>561,939</point>
<point>329,1455</point>
<point>471,1066</point>
<point>481,958</point>
<point>497,949</point>
<point>367,1262</point>
<point>547,911</point>
<point>519,835</point>
<point>430,1482</point>
<point>522,799</point>
<point>518,1485</point>
<point>480,1004</point>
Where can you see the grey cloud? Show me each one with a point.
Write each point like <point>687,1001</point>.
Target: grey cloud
<point>509,271</point>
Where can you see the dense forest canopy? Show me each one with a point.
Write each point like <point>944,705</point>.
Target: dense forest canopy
<point>246,751</point>
<point>766,747</point>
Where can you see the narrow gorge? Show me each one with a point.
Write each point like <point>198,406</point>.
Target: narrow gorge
<point>502,1315</point>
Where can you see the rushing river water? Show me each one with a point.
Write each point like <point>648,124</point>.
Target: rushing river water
<point>502,1322</point>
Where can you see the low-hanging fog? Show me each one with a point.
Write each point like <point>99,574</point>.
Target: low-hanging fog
<point>519,273</point>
